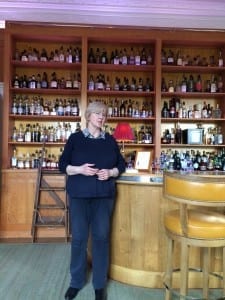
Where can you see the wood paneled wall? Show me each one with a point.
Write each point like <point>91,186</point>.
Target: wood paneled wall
<point>1,53</point>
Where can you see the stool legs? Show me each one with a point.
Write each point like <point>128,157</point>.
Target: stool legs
<point>223,259</point>
<point>206,265</point>
<point>169,268</point>
<point>184,268</point>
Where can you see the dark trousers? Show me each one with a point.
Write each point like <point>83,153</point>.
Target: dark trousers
<point>90,215</point>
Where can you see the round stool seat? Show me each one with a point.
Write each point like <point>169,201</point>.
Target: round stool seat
<point>201,225</point>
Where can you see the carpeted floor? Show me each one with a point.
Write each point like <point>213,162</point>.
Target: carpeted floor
<point>41,272</point>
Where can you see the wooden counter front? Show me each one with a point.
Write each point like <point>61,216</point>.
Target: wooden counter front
<point>138,239</point>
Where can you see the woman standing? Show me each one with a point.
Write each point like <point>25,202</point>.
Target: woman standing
<point>92,161</point>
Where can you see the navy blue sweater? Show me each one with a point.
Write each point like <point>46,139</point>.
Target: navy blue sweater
<point>103,153</point>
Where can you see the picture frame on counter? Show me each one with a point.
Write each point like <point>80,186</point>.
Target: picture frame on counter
<point>143,160</point>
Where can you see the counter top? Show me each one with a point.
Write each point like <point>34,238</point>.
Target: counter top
<point>141,178</point>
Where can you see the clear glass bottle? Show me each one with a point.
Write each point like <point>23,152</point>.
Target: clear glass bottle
<point>14,159</point>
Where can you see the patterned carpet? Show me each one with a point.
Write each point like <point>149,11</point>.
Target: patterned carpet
<point>41,272</point>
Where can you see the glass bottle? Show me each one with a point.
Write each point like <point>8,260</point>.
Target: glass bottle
<point>213,87</point>
<point>198,84</point>
<point>61,55</point>
<point>163,57</point>
<point>77,56</point>
<point>143,57</point>
<point>170,58</point>
<point>44,81</point>
<point>220,59</point>
<point>14,106</point>
<point>104,59</point>
<point>32,82</point>
<point>54,81</point>
<point>165,110</point>
<point>16,82</point>
<point>124,57</point>
<point>69,56</point>
<point>122,109</point>
<point>220,84</point>
<point>14,159</point>
<point>131,58</point>
<point>137,58</point>
<point>91,57</point>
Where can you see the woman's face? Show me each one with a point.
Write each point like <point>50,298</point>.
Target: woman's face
<point>97,119</point>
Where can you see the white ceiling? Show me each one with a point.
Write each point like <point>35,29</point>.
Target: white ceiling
<point>199,14</point>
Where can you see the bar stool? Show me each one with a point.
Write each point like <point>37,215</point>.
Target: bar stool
<point>196,223</point>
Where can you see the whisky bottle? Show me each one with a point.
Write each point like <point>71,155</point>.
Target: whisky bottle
<point>68,108</point>
<point>44,81</point>
<point>131,57</point>
<point>220,59</point>
<point>124,57</point>
<point>165,110</point>
<point>104,59</point>
<point>97,56</point>
<point>123,109</point>
<point>16,82</point>
<point>61,55</point>
<point>198,84</point>
<point>69,56</point>
<point>170,58</point>
<point>44,56</point>
<point>14,106</point>
<point>137,58</point>
<point>69,84</point>
<point>54,81</point>
<point>213,87</point>
<point>91,57</point>
<point>143,57</point>
<point>14,159</point>
<point>77,56</point>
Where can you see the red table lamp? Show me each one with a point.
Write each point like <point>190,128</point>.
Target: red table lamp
<point>123,133</point>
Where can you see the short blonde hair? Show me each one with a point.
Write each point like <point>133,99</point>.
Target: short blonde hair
<point>95,107</point>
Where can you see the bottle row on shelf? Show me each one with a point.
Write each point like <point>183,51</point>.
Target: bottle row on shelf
<point>197,136</point>
<point>134,56</point>
<point>71,54</point>
<point>41,81</point>
<point>190,160</point>
<point>103,83</point>
<point>191,85</point>
<point>37,133</point>
<point>59,133</point>
<point>128,108</point>
<point>176,108</point>
<point>33,160</point>
<point>168,57</point>
<point>24,105</point>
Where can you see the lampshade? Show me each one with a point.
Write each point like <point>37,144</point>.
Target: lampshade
<point>123,132</point>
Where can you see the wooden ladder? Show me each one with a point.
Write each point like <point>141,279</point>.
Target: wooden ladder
<point>51,202</point>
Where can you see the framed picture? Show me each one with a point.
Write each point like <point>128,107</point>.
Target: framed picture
<point>143,160</point>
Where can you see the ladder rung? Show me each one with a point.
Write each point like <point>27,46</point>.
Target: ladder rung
<point>50,206</point>
<point>51,188</point>
<point>49,224</point>
<point>44,185</point>
<point>51,172</point>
